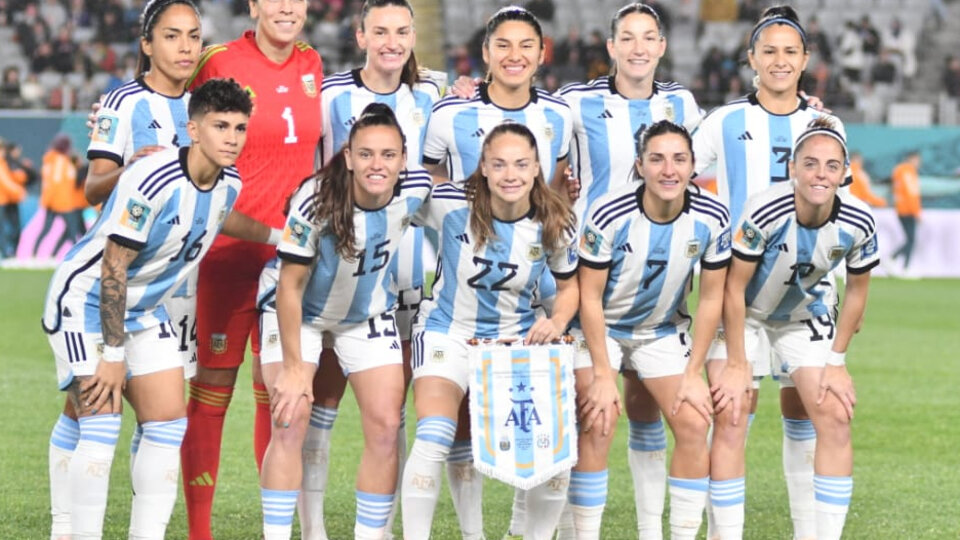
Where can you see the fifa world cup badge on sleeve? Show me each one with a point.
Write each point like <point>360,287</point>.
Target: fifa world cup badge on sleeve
<point>522,412</point>
<point>590,240</point>
<point>296,232</point>
<point>106,129</point>
<point>869,249</point>
<point>748,236</point>
<point>135,215</point>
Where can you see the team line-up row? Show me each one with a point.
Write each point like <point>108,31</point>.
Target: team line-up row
<point>551,214</point>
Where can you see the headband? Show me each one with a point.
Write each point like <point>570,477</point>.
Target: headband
<point>829,132</point>
<point>777,20</point>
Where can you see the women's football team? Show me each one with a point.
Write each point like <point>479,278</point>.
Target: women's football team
<point>599,175</point>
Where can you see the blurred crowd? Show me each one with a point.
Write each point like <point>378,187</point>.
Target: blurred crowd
<point>62,54</point>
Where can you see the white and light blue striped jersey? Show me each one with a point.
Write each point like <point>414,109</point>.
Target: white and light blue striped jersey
<point>793,259</point>
<point>345,96</point>
<point>750,146</point>
<point>606,127</point>
<point>342,292</point>
<point>133,116</point>
<point>487,293</point>
<point>267,287</point>
<point>157,210</point>
<point>651,264</point>
<point>458,127</point>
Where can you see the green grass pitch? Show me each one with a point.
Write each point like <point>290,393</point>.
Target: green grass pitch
<point>906,435</point>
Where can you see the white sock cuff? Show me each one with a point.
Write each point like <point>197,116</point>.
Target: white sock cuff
<point>588,489</point>
<point>728,492</point>
<point>799,430</point>
<point>833,491</point>
<point>103,429</point>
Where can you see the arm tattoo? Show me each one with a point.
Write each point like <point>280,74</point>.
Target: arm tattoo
<point>113,292</point>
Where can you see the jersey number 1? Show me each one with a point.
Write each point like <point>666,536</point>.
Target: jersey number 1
<point>291,133</point>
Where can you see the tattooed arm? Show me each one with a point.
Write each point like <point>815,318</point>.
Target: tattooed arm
<point>106,385</point>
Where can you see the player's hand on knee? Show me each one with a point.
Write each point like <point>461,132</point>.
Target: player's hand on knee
<point>695,392</point>
<point>542,331</point>
<point>836,380</point>
<point>600,403</point>
<point>733,388</point>
<point>104,388</point>
<point>292,384</point>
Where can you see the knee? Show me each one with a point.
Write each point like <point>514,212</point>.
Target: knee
<point>690,429</point>
<point>832,424</point>
<point>434,438</point>
<point>291,437</point>
<point>726,434</point>
<point>381,433</point>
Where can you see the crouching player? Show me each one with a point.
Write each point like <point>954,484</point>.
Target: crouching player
<point>107,326</point>
<point>638,249</point>
<point>788,239</point>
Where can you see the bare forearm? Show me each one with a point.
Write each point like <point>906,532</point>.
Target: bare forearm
<point>244,227</point>
<point>113,292</point>
<point>854,306</point>
<point>98,187</point>
<point>567,303</point>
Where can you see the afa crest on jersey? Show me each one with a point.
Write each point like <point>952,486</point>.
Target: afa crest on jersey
<point>418,118</point>
<point>309,85</point>
<point>218,343</point>
<point>535,252</point>
<point>135,215</point>
<point>836,253</point>
<point>693,249</point>
<point>548,132</point>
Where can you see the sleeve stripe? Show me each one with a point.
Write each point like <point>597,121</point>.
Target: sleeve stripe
<point>785,209</point>
<point>127,243</point>
<point>722,217</point>
<point>114,99</point>
<point>855,222</point>
<point>298,259</point>
<point>863,269</point>
<point>156,181</point>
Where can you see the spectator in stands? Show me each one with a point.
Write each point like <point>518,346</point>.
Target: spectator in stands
<point>884,70</point>
<point>818,42</point>
<point>31,30</point>
<point>572,42</point>
<point>902,43</point>
<point>12,191</point>
<point>80,15</point>
<point>870,103</point>
<point>42,59</point>
<point>906,199</point>
<point>10,89</point>
<point>572,70</point>
<point>718,10</point>
<point>326,37</point>
<point>860,188</point>
<point>871,41</point>
<point>53,13</point>
<point>32,92</point>
<point>750,11</point>
<point>64,50</point>
<point>851,52</point>
<point>111,28</point>
<point>951,76</point>
<point>596,56</point>
<point>58,196</point>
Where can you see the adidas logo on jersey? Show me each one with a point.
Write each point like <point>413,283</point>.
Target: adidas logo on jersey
<point>626,248</point>
<point>463,238</point>
<point>350,122</point>
<point>478,133</point>
<point>605,114</point>
<point>154,125</point>
<point>203,480</point>
<point>745,136</point>
<point>782,248</point>
<point>395,346</point>
<point>174,221</point>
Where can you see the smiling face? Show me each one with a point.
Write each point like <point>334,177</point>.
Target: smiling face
<point>818,167</point>
<point>376,157</point>
<point>280,21</point>
<point>220,136</point>
<point>174,44</point>
<point>666,167</point>
<point>388,38</point>
<point>637,46</point>
<point>779,59</point>
<point>510,166</point>
<point>513,53</point>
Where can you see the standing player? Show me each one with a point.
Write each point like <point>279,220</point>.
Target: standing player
<point>498,235</point>
<point>341,237</point>
<point>609,115</point>
<point>283,78</point>
<point>513,51</point>
<point>789,238</point>
<point>638,249</point>
<point>750,140</point>
<point>390,76</point>
<point>135,120</point>
<point>108,328</point>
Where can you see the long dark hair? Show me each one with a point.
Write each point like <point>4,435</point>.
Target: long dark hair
<point>411,70</point>
<point>334,200</point>
<point>663,127</point>
<point>553,213</point>
<point>148,21</point>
